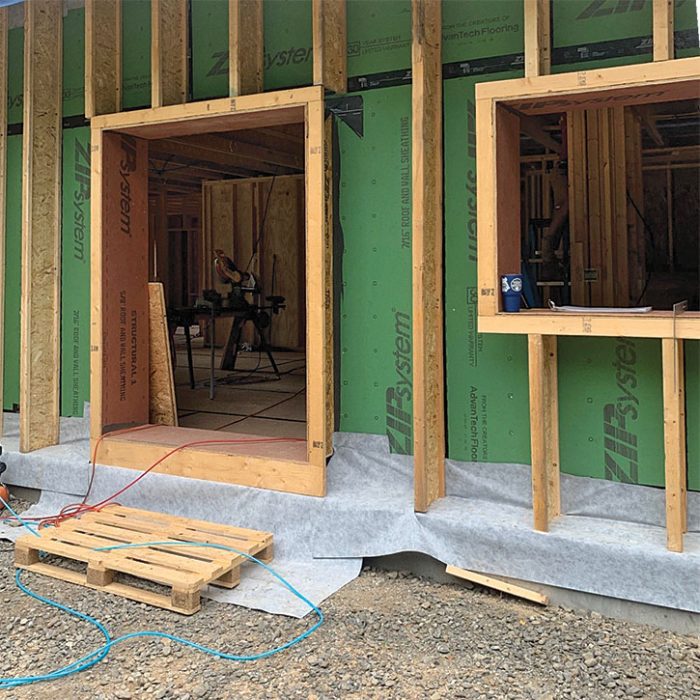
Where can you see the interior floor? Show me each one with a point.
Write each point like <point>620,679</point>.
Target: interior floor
<point>250,400</point>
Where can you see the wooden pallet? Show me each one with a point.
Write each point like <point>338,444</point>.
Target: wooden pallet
<point>185,570</point>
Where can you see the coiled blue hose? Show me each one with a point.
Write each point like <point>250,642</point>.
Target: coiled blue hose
<point>94,657</point>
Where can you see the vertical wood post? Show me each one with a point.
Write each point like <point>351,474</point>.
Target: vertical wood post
<point>544,429</point>
<point>538,38</point>
<point>103,64</point>
<point>663,30</point>
<point>427,249</point>
<point>330,45</point>
<point>674,441</point>
<point>245,47</point>
<point>41,231</point>
<point>3,186</point>
<point>169,47</point>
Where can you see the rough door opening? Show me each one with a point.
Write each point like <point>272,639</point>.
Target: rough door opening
<point>228,212</point>
<point>227,242</point>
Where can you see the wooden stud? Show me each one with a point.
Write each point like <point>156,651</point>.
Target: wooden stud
<point>634,195</point>
<point>317,240</point>
<point>330,45</point>
<point>245,47</point>
<point>674,442</point>
<point>619,181</point>
<point>41,230</point>
<point>578,203</point>
<point>498,585</point>
<point>427,246</point>
<point>169,49</point>
<point>538,40</point>
<point>544,429</point>
<point>103,61</point>
<point>663,30</point>
<point>3,188</point>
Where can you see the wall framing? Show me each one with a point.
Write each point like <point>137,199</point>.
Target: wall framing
<point>3,187</point>
<point>499,109</point>
<point>41,226</point>
<point>427,252</point>
<point>274,471</point>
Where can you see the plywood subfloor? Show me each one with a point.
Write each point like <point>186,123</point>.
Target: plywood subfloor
<point>250,400</point>
<point>176,436</point>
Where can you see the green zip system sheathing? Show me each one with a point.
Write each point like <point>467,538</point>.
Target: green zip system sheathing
<point>602,381</point>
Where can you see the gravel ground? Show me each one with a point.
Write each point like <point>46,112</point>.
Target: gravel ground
<point>387,635</point>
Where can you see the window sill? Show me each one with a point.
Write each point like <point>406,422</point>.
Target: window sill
<point>654,324</point>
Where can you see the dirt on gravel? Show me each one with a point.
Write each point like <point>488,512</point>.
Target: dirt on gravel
<point>386,635</point>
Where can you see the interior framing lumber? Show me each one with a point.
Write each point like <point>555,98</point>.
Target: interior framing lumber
<point>103,57</point>
<point>41,230</point>
<point>245,47</point>
<point>663,21</point>
<point>675,467</point>
<point>537,37</point>
<point>330,45</point>
<point>3,187</point>
<point>227,114</point>
<point>498,584</point>
<point>169,52</point>
<point>427,252</point>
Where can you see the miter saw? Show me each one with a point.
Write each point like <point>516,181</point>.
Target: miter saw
<point>242,284</point>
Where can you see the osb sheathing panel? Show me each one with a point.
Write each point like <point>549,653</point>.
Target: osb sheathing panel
<point>40,357</point>
<point>163,409</point>
<point>3,162</point>
<point>124,255</point>
<point>246,57</point>
<point>102,57</point>
<point>168,52</point>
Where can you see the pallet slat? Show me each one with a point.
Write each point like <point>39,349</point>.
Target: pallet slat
<point>185,570</point>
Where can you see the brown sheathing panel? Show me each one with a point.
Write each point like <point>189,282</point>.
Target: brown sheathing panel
<point>245,47</point>
<point>508,189</point>
<point>41,233</point>
<point>427,246</point>
<point>330,44</point>
<point>162,406</point>
<point>663,30</point>
<point>537,37</point>
<point>169,47</point>
<point>102,57</point>
<point>3,187</point>
<point>124,291</point>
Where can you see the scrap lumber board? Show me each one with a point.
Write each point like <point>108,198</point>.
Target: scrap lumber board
<point>498,585</point>
<point>161,395</point>
<point>185,570</point>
